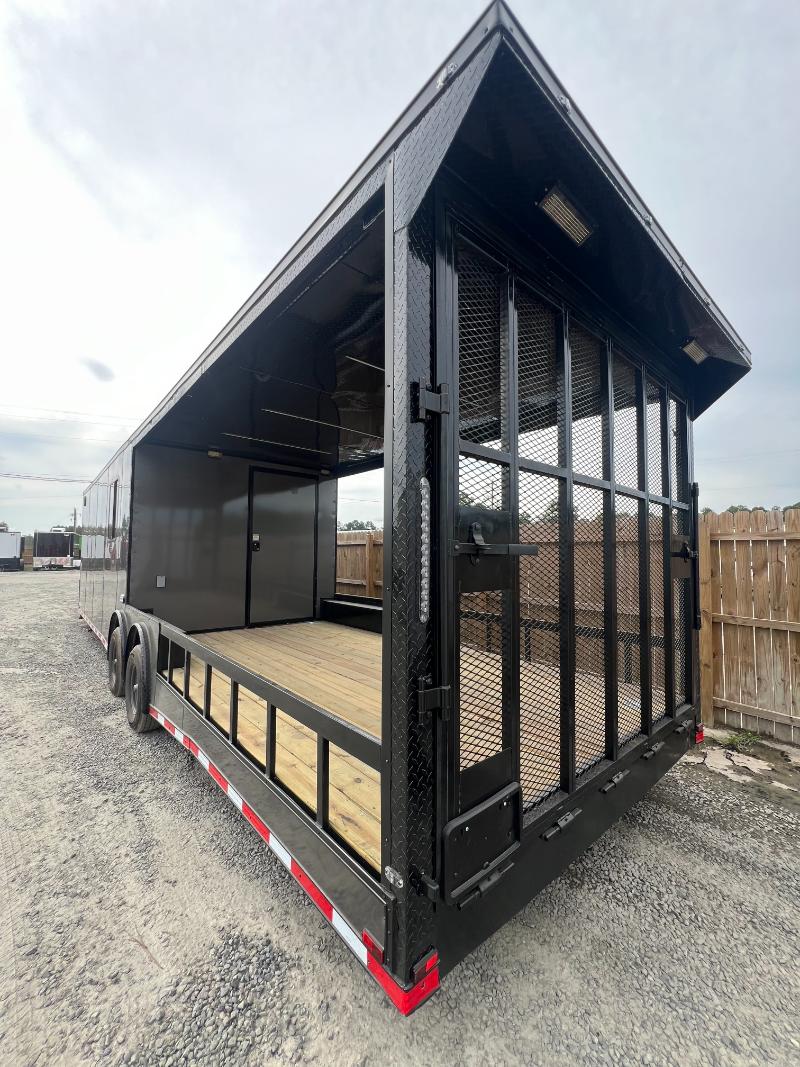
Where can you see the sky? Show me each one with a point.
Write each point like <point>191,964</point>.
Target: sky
<point>158,158</point>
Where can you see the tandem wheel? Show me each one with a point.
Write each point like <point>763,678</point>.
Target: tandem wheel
<point>136,694</point>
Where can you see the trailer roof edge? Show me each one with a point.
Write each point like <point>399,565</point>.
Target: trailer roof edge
<point>497,18</point>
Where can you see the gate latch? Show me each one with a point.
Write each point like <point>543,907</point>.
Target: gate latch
<point>684,552</point>
<point>427,401</point>
<point>432,698</point>
<point>477,546</point>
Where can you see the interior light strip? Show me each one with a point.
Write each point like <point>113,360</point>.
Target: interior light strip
<point>278,444</point>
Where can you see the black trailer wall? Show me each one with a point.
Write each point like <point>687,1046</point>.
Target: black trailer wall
<point>190,537</point>
<point>105,524</point>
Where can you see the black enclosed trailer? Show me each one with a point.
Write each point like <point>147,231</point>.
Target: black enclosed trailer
<point>488,311</point>
<point>55,550</point>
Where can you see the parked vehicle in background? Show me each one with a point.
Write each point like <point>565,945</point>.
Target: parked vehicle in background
<point>10,550</point>
<point>56,549</point>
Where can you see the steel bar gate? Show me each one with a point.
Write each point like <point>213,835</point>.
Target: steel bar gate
<point>571,557</point>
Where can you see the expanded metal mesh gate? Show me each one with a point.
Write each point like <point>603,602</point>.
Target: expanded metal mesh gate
<point>565,443</point>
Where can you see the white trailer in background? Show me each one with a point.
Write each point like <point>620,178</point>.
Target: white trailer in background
<point>10,551</point>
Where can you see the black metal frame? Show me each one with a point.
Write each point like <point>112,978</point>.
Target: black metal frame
<point>417,756</point>
<point>458,210</point>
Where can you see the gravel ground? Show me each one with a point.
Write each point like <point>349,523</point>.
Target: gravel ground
<point>145,923</point>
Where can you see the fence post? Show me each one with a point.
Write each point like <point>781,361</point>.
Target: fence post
<point>706,625</point>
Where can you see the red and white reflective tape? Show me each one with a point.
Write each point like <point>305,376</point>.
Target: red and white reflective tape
<point>362,947</point>
<point>94,630</point>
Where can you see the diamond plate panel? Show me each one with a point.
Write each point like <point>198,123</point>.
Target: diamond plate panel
<point>419,155</point>
<point>482,349</point>
<point>590,628</point>
<point>626,459</point>
<point>412,764</point>
<point>540,380</point>
<point>540,639</point>
<point>588,355</point>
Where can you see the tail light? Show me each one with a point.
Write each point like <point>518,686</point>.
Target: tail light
<point>699,733</point>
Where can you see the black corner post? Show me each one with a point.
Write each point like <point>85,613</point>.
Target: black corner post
<point>408,807</point>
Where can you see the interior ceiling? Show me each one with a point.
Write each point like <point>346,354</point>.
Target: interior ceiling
<point>303,387</point>
<point>511,148</point>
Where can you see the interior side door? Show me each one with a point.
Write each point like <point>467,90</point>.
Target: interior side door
<point>282,548</point>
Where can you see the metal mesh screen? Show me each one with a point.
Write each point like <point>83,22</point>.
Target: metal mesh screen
<point>540,639</point>
<point>655,470</point>
<point>680,619</point>
<point>629,694</point>
<point>588,367</point>
<point>590,697</point>
<point>482,484</point>
<point>540,395</point>
<point>679,479</point>
<point>484,631</point>
<point>626,457</point>
<point>482,348</point>
<point>657,659</point>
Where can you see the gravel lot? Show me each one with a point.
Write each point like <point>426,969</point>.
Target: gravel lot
<point>144,922</point>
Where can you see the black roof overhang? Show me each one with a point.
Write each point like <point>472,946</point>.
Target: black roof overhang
<point>729,357</point>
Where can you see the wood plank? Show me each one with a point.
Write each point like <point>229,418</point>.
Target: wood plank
<point>748,709</point>
<point>768,536</point>
<point>792,522</point>
<point>763,640</point>
<point>744,607</point>
<point>766,624</point>
<point>730,634</point>
<point>781,675</point>
<point>706,624</point>
<point>335,667</point>
<point>716,602</point>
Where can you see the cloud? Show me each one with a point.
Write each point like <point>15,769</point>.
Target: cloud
<point>160,158</point>
<point>101,371</point>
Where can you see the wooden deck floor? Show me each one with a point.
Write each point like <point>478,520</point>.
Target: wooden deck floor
<point>338,668</point>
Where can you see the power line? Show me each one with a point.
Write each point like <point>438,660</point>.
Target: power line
<point>45,478</point>
<point>63,437</point>
<point>64,411</point>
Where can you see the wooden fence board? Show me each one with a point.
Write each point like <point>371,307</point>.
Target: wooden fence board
<point>777,610</point>
<point>706,632</point>
<point>730,633</point>
<point>744,602</point>
<point>763,640</point>
<point>793,606</point>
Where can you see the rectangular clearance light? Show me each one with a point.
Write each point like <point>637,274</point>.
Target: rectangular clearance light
<point>694,351</point>
<point>565,215</point>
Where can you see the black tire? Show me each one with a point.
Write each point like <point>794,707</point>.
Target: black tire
<point>136,694</point>
<point>116,666</point>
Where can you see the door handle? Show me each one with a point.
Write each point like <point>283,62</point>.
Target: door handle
<point>477,547</point>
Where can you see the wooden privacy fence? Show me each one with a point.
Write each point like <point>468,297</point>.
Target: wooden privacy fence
<point>750,607</point>
<point>359,563</point>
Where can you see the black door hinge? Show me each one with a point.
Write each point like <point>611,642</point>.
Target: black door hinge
<point>425,401</point>
<point>561,824</point>
<point>653,750</point>
<point>613,782</point>
<point>432,698</point>
<point>429,887</point>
